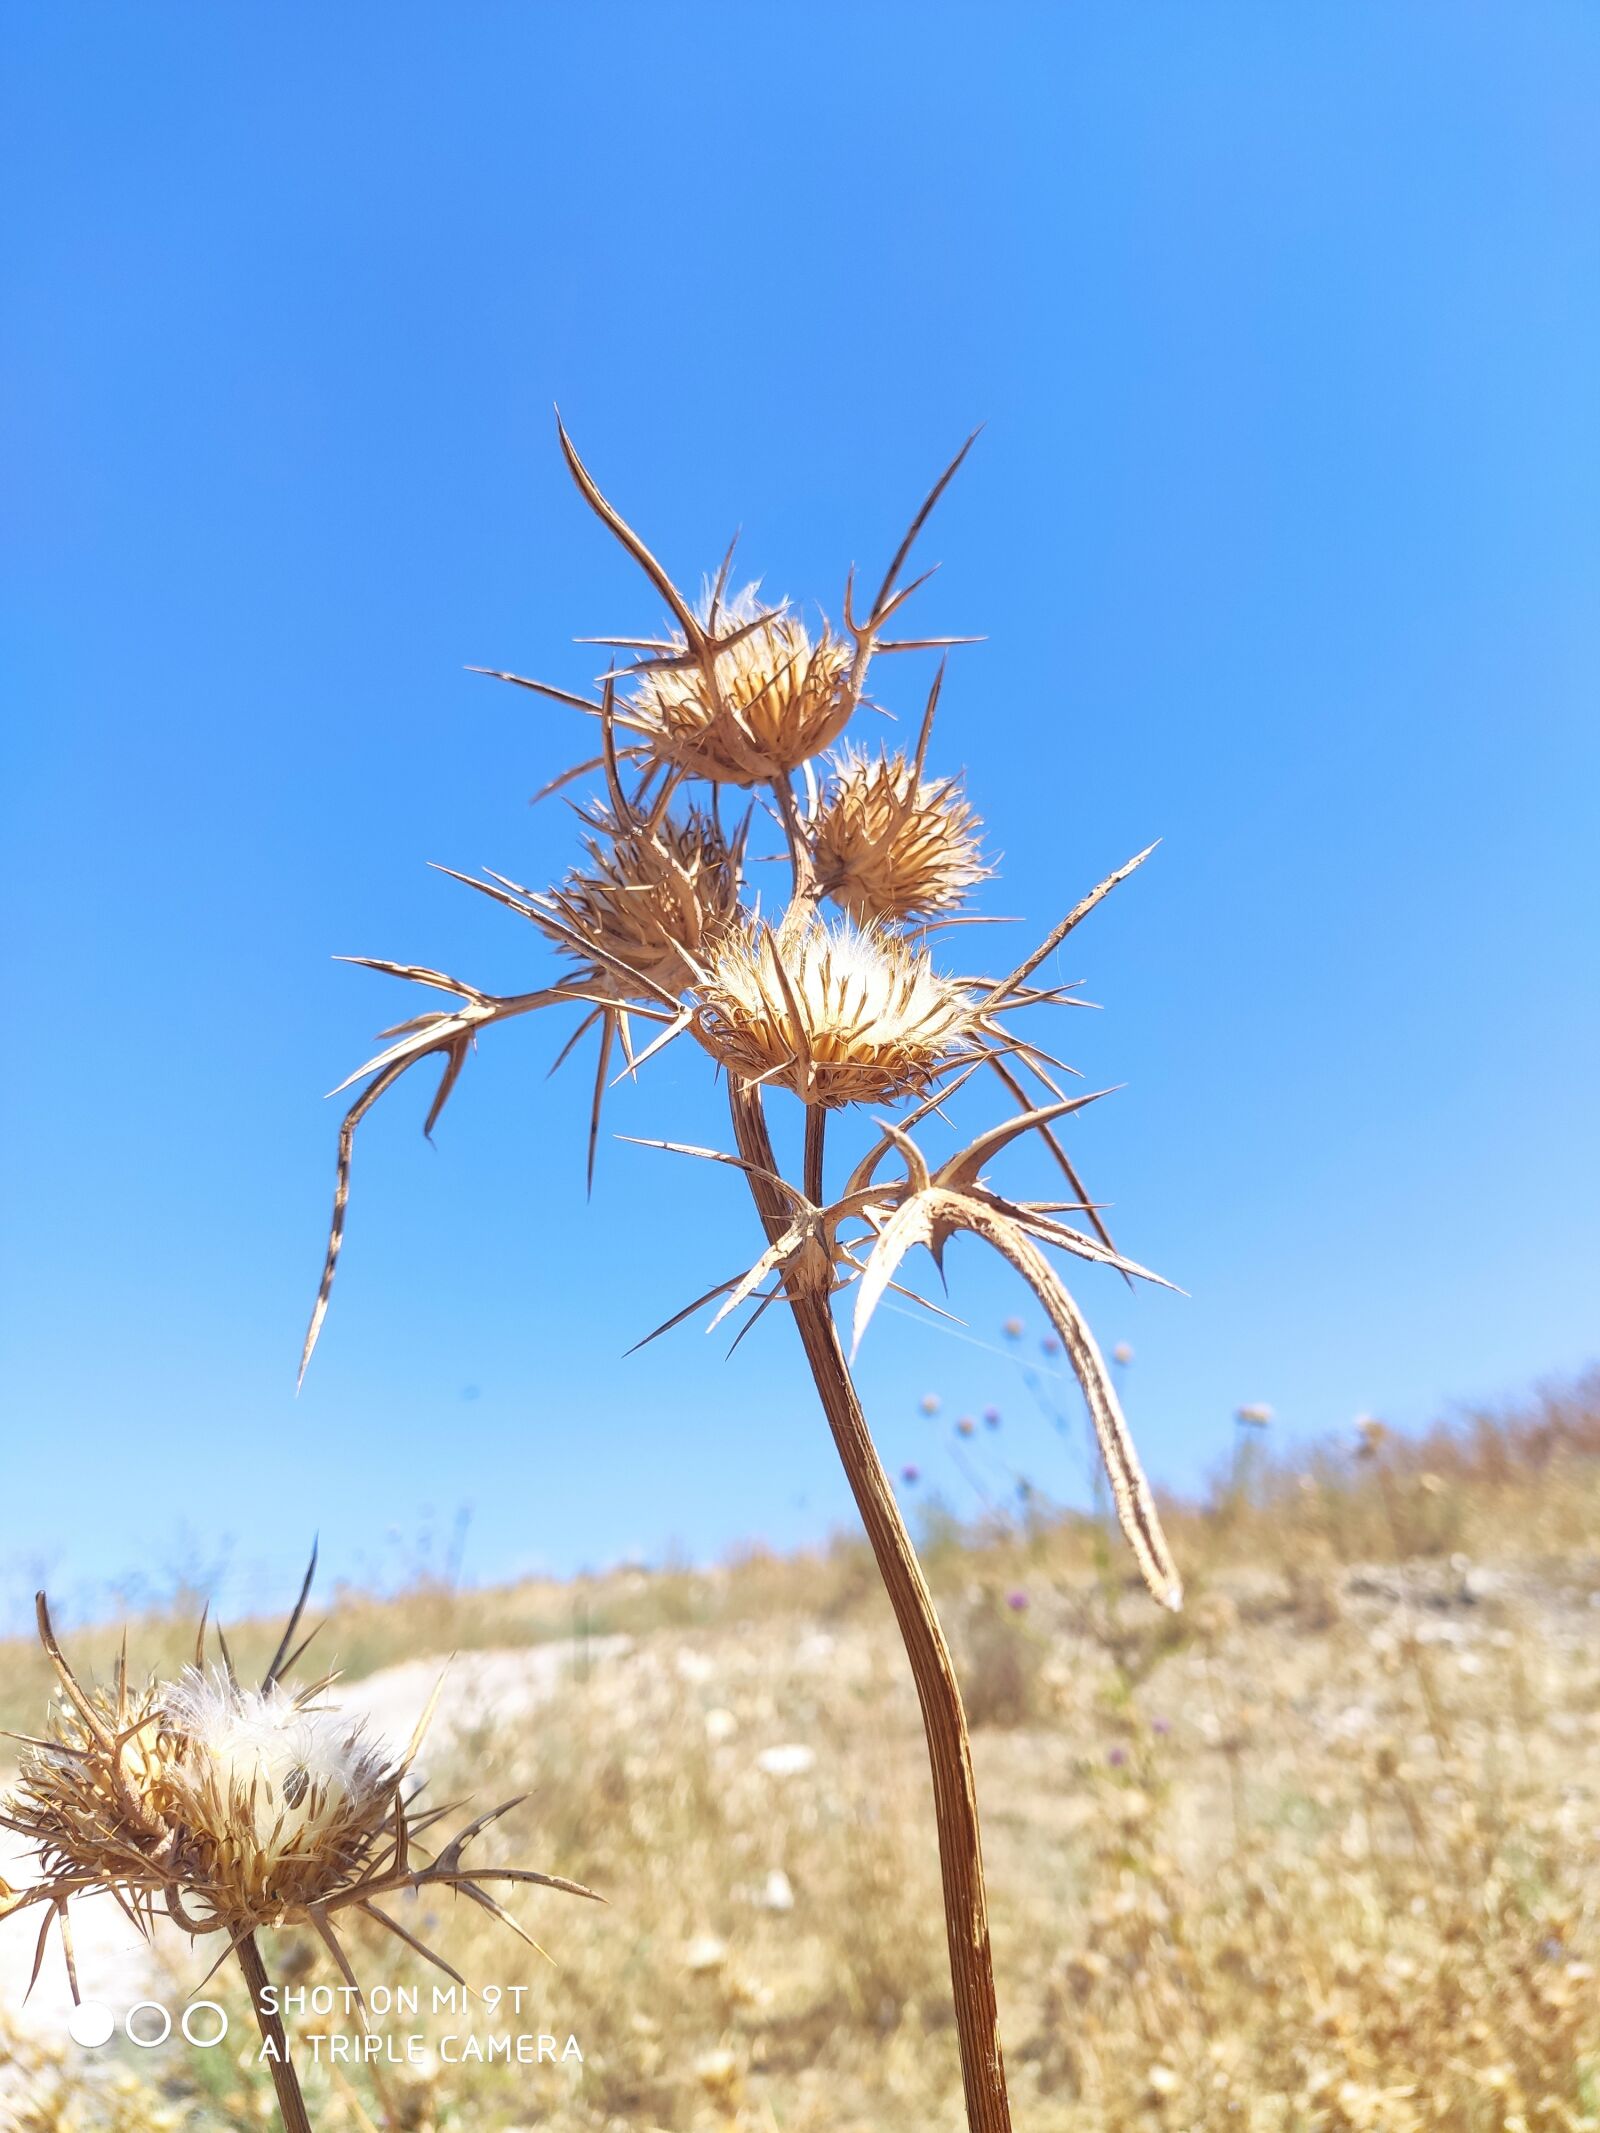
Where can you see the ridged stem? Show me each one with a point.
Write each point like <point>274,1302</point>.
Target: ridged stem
<point>291,2104</point>
<point>944,1722</point>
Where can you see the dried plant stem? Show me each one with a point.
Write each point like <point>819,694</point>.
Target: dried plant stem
<point>291,2104</point>
<point>816,1136</point>
<point>944,1721</point>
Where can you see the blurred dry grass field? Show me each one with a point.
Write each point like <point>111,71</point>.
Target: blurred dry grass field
<point>1323,1852</point>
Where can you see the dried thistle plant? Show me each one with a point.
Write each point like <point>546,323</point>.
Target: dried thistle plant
<point>228,1809</point>
<point>657,927</point>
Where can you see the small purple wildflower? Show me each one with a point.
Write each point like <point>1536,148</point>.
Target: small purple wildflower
<point>1017,1602</point>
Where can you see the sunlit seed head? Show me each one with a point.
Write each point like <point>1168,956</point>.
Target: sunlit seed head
<point>241,1734</point>
<point>655,899</point>
<point>281,1795</point>
<point>145,1753</point>
<point>221,1808</point>
<point>887,844</point>
<point>91,1808</point>
<point>835,1013</point>
<point>773,699</point>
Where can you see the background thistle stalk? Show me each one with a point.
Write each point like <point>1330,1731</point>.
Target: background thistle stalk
<point>839,1013</point>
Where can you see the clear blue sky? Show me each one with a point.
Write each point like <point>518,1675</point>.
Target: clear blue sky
<point>1285,532</point>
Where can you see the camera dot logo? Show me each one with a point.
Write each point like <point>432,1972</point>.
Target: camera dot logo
<point>90,2024</point>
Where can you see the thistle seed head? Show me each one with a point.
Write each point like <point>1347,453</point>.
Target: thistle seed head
<point>90,1808</point>
<point>770,700</point>
<point>888,844</point>
<point>282,1798</point>
<point>228,1807</point>
<point>654,898</point>
<point>838,1014</point>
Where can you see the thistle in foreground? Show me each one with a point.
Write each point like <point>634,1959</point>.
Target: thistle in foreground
<point>845,1014</point>
<point>227,1809</point>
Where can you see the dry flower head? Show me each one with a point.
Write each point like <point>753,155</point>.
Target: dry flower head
<point>750,712</point>
<point>890,844</point>
<point>835,1013</point>
<point>652,902</point>
<point>227,1808</point>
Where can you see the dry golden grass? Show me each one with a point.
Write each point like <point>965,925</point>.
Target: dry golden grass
<point>1320,1853</point>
